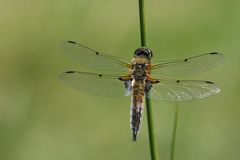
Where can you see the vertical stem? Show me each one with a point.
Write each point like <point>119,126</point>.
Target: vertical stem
<point>152,141</point>
<point>174,133</point>
<point>142,23</point>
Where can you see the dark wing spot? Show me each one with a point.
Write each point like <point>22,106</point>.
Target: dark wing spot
<point>213,53</point>
<point>177,81</point>
<point>209,82</point>
<point>120,78</point>
<point>157,81</point>
<point>70,72</point>
<point>72,42</point>
<point>97,53</point>
<point>185,60</point>
<point>100,75</point>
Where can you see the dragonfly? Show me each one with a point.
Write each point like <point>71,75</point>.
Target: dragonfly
<point>139,79</point>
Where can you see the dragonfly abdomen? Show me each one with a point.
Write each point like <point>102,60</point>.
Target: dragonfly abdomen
<point>136,107</point>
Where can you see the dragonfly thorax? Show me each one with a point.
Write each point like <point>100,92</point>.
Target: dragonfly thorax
<point>139,71</point>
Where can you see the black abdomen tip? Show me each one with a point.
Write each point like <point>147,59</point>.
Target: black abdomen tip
<point>134,138</point>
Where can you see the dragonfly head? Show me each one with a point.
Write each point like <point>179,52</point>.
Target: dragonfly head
<point>146,52</point>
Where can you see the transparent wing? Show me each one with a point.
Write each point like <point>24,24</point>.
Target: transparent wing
<point>94,59</point>
<point>189,66</point>
<point>95,84</point>
<point>182,90</point>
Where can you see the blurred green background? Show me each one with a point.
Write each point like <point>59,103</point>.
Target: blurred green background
<point>42,119</point>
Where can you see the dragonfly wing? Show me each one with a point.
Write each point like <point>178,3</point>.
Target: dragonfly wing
<point>189,66</point>
<point>94,84</point>
<point>94,59</point>
<point>182,90</point>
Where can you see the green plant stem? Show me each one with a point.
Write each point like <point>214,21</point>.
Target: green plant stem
<point>142,23</point>
<point>152,141</point>
<point>174,133</point>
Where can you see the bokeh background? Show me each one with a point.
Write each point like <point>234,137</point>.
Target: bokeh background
<point>42,119</point>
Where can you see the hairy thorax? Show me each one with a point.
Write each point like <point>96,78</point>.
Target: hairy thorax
<point>140,68</point>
